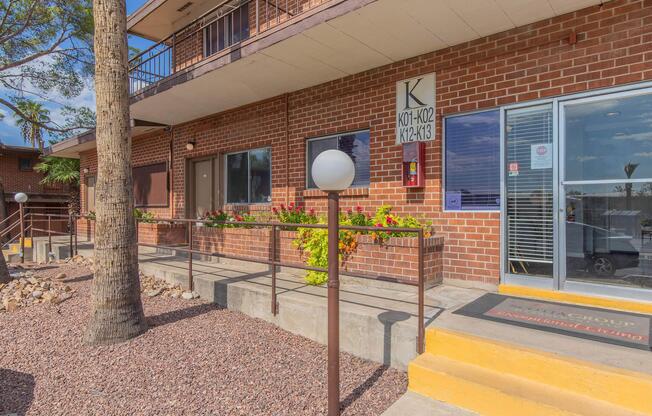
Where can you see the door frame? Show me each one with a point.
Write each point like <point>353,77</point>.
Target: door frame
<point>558,281</point>
<point>216,188</point>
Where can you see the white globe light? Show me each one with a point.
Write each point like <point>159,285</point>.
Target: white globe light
<point>333,170</point>
<point>20,197</point>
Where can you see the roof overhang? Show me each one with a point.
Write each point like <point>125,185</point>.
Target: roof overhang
<point>72,147</point>
<point>340,39</point>
<point>157,19</point>
<point>5,148</point>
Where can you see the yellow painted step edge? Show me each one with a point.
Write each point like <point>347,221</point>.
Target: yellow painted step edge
<point>621,387</point>
<point>485,400</point>
<point>576,298</point>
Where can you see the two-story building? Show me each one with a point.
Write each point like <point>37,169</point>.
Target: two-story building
<point>536,119</point>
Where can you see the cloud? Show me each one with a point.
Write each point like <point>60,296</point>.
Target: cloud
<point>643,154</point>
<point>583,159</point>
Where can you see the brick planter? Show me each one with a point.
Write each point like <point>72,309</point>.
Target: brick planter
<point>162,233</point>
<point>395,258</point>
<point>85,229</point>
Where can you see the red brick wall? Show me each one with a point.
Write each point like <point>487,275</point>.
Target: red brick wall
<point>15,180</point>
<point>614,47</point>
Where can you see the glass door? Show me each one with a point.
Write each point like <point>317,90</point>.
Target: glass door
<point>605,204</point>
<point>528,215</point>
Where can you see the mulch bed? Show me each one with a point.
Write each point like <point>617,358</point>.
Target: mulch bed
<point>196,359</point>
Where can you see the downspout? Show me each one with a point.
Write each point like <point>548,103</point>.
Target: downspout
<point>171,172</point>
<point>287,149</point>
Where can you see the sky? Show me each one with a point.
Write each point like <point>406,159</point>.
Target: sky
<point>10,134</point>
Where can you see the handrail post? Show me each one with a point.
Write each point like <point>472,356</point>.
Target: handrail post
<point>273,242</point>
<point>72,253</point>
<point>190,282</point>
<point>74,225</point>
<point>31,228</point>
<point>22,232</point>
<point>49,236</point>
<point>421,329</point>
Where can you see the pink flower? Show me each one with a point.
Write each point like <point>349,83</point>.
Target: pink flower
<point>378,225</point>
<point>349,211</point>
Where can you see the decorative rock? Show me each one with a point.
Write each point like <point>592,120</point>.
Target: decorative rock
<point>187,295</point>
<point>60,276</point>
<point>153,293</point>
<point>37,294</point>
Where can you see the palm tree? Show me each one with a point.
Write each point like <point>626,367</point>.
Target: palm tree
<point>116,308</point>
<point>64,171</point>
<point>32,133</point>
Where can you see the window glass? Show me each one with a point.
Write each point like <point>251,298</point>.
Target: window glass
<point>260,185</point>
<point>25,164</point>
<point>237,176</point>
<point>356,145</point>
<point>248,177</point>
<point>472,161</point>
<point>609,139</point>
<point>227,30</point>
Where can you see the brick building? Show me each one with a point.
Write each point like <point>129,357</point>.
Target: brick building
<point>17,174</point>
<point>535,117</point>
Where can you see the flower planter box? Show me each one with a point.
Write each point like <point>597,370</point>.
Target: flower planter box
<point>396,258</point>
<point>162,234</point>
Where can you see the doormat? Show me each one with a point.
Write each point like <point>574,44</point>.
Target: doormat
<point>603,325</point>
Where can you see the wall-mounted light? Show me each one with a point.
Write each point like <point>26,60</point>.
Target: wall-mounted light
<point>85,170</point>
<point>190,145</point>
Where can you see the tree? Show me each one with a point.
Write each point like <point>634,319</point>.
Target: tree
<point>32,132</point>
<point>117,312</point>
<point>60,170</point>
<point>45,53</point>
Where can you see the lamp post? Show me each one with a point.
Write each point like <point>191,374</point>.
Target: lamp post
<point>333,171</point>
<point>21,198</point>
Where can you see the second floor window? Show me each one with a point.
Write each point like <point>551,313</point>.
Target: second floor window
<point>227,30</point>
<point>25,164</point>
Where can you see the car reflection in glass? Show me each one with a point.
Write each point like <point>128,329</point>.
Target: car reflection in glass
<point>598,251</point>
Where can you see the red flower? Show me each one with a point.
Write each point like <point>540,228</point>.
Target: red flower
<point>390,220</point>
<point>282,207</point>
<point>378,225</point>
<point>291,205</point>
<point>239,218</point>
<point>358,209</point>
<point>349,211</point>
<point>274,210</point>
<point>312,212</point>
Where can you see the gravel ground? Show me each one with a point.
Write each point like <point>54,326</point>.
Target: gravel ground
<point>196,359</point>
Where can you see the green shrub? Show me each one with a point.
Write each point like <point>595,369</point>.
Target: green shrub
<point>143,216</point>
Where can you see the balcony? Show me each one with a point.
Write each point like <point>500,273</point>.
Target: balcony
<point>218,31</point>
<point>227,54</point>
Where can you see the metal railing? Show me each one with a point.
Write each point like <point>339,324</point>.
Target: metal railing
<point>163,59</point>
<point>274,263</point>
<point>24,226</point>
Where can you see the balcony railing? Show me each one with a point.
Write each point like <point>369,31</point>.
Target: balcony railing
<point>222,27</point>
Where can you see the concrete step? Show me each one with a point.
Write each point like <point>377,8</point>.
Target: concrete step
<point>497,378</point>
<point>412,404</point>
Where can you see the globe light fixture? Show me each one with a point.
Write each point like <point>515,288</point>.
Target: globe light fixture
<point>21,197</point>
<point>333,171</point>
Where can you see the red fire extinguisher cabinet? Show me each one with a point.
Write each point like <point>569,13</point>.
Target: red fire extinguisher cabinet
<point>414,164</point>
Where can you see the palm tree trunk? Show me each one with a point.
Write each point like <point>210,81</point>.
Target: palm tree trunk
<point>117,311</point>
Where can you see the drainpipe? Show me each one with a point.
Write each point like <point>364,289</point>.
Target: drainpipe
<point>287,149</point>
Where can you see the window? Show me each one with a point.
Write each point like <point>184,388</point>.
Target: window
<point>249,177</point>
<point>227,30</point>
<point>151,185</point>
<point>356,145</point>
<point>25,164</point>
<point>472,161</point>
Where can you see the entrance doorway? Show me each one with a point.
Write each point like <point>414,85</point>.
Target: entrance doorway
<point>578,194</point>
<point>203,186</point>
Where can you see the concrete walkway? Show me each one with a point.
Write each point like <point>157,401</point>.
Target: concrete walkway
<point>378,319</point>
<point>413,404</point>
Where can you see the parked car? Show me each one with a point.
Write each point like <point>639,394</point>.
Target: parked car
<point>598,250</point>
